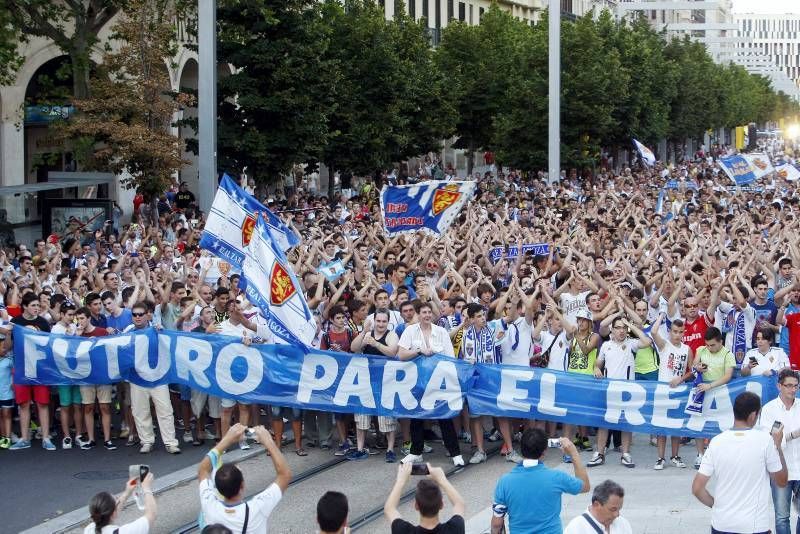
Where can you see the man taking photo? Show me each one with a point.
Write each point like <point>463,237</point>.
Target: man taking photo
<point>428,502</point>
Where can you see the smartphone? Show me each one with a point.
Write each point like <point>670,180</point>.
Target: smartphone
<point>420,469</point>
<point>776,427</point>
<point>554,443</point>
<point>139,472</point>
<point>753,359</point>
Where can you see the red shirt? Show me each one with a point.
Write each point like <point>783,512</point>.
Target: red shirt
<point>695,333</point>
<point>793,324</point>
<point>97,332</point>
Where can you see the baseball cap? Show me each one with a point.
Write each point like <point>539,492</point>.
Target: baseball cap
<point>583,313</point>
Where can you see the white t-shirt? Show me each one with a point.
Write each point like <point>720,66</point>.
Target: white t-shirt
<point>412,338</point>
<point>238,330</point>
<point>775,410</point>
<point>558,353</point>
<point>774,360</point>
<point>673,361</point>
<point>216,511</point>
<point>59,328</point>
<point>570,304</point>
<point>619,357</point>
<point>140,526</point>
<point>517,344</point>
<point>739,461</point>
<point>580,525</point>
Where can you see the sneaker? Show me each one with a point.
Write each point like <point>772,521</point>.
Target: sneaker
<point>109,445</point>
<point>478,458</point>
<point>132,440</point>
<point>66,443</point>
<point>343,449</point>
<point>38,434</point>
<point>458,461</point>
<point>653,442</point>
<point>412,459</point>
<point>659,464</point>
<point>391,457</point>
<point>209,435</point>
<point>249,434</point>
<point>515,457</point>
<point>465,436</point>
<point>427,449</point>
<point>80,441</point>
<point>495,436</point>
<point>504,450</point>
<point>187,437</point>
<point>244,444</point>
<point>597,459</point>
<point>14,438</point>
<point>174,449</point>
<point>626,460</point>
<point>677,462</point>
<point>48,445</point>
<point>88,445</point>
<point>698,461</point>
<point>567,459</point>
<point>20,444</point>
<point>363,454</point>
<point>5,443</point>
<point>124,432</point>
<point>146,448</point>
<point>405,448</point>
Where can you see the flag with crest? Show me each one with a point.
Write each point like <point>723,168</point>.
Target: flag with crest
<point>428,206</point>
<point>273,287</point>
<point>232,220</point>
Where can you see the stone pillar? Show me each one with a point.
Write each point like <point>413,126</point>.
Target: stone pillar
<point>12,149</point>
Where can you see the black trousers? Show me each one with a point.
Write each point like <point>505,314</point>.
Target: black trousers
<point>448,436</point>
<point>715,531</point>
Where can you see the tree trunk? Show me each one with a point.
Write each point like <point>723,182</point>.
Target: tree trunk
<point>331,182</point>
<point>81,68</point>
<point>470,160</point>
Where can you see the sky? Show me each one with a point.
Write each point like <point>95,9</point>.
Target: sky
<point>766,6</point>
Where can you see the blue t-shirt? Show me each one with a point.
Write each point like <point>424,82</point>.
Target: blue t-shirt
<point>122,322</point>
<point>532,498</point>
<point>764,312</point>
<point>6,390</point>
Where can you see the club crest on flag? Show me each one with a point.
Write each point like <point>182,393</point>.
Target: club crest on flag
<point>760,163</point>
<point>281,286</point>
<point>444,198</point>
<point>248,226</point>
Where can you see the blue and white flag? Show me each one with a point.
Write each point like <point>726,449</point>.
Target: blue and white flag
<point>331,271</point>
<point>660,202</point>
<point>231,220</point>
<point>759,164</point>
<point>646,154</point>
<point>787,171</point>
<point>274,289</point>
<point>738,169</point>
<point>429,206</point>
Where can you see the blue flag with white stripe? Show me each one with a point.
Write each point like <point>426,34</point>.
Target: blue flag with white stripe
<point>274,289</point>
<point>231,221</point>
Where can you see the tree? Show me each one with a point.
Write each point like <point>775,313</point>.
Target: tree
<point>10,61</point>
<point>274,107</point>
<point>126,120</point>
<point>73,25</point>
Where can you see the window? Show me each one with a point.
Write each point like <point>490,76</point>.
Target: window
<point>438,14</point>
<point>470,14</point>
<point>462,11</point>
<point>450,11</point>
<point>412,9</point>
<point>425,12</point>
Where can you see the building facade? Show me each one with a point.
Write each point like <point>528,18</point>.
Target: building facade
<point>774,36</point>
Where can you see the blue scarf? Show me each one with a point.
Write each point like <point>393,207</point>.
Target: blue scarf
<point>735,323</point>
<point>478,346</point>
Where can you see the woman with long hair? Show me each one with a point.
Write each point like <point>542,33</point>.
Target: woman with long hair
<point>104,509</point>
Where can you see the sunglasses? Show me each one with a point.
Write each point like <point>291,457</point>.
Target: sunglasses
<point>137,314</point>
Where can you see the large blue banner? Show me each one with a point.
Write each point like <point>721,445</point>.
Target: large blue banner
<point>738,169</point>
<point>429,206</point>
<point>428,387</point>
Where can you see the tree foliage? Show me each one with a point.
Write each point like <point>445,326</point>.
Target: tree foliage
<point>125,124</point>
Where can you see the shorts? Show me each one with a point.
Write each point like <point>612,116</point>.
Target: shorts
<point>174,388</point>
<point>652,376</point>
<point>101,393</point>
<point>186,393</point>
<point>230,403</point>
<point>69,395</point>
<point>385,424</point>
<point>6,404</point>
<point>292,414</point>
<point>39,394</point>
<point>198,401</point>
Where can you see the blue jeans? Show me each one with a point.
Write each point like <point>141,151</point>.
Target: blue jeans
<point>782,498</point>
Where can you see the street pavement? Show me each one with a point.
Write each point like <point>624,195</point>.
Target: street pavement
<point>655,502</point>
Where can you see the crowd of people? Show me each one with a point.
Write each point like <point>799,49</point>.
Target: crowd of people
<point>668,274</point>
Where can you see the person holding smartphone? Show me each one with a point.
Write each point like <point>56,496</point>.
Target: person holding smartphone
<point>427,501</point>
<point>104,509</point>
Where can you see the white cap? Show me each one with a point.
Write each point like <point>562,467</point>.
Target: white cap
<point>583,313</point>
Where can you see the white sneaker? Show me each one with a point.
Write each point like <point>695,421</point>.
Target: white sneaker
<point>659,464</point>
<point>627,461</point>
<point>677,461</point>
<point>210,435</point>
<point>698,461</point>
<point>478,458</point>
<point>145,448</point>
<point>515,457</point>
<point>187,437</point>
<point>458,461</point>
<point>415,459</point>
<point>66,443</point>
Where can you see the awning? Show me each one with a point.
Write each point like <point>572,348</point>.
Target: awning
<point>60,180</point>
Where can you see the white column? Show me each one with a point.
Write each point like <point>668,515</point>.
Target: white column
<point>554,91</point>
<point>12,149</point>
<point>207,102</point>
